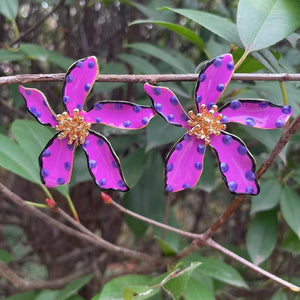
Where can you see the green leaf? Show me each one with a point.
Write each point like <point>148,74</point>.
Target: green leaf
<point>34,51</point>
<point>268,197</point>
<point>159,133</point>
<point>262,236</point>
<point>291,243</point>
<point>181,30</point>
<point>80,169</point>
<point>23,296</point>
<point>14,159</point>
<point>290,207</point>
<point>160,54</point>
<point>177,284</point>
<point>9,8</point>
<point>165,247</point>
<point>217,269</point>
<point>113,290</point>
<point>134,165</point>
<point>144,199</point>
<point>139,292</point>
<point>5,256</point>
<point>280,295</point>
<point>6,55</point>
<point>59,60</point>
<point>139,63</point>
<point>222,27</point>
<point>73,287</point>
<point>208,176</point>
<point>47,295</point>
<point>196,290</point>
<point>262,24</point>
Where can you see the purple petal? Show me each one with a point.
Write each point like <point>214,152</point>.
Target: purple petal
<point>120,114</point>
<point>257,113</point>
<point>103,163</point>
<point>78,82</point>
<point>184,164</point>
<point>236,164</point>
<point>56,162</point>
<point>166,104</point>
<point>213,80</point>
<point>38,106</point>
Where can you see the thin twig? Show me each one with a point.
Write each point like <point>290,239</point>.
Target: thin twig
<point>151,78</point>
<point>94,239</point>
<point>36,25</point>
<point>286,135</point>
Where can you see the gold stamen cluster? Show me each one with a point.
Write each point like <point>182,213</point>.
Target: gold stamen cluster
<point>205,123</point>
<point>75,127</point>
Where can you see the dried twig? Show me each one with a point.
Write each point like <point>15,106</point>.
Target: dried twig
<point>152,78</point>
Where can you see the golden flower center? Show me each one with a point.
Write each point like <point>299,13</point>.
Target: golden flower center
<point>75,127</point>
<point>205,123</point>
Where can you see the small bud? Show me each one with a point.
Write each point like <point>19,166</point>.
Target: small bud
<point>106,198</point>
<point>51,204</point>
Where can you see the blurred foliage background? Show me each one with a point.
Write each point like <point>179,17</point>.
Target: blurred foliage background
<point>265,229</point>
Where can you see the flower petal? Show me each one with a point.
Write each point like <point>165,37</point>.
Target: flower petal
<point>236,164</point>
<point>103,163</point>
<point>56,162</point>
<point>78,82</point>
<point>38,106</point>
<point>120,114</point>
<point>166,104</point>
<point>256,113</point>
<point>184,164</point>
<point>213,80</point>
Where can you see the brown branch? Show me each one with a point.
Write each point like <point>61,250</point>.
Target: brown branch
<point>23,284</point>
<point>286,135</point>
<point>151,78</point>
<point>37,24</point>
<point>92,238</point>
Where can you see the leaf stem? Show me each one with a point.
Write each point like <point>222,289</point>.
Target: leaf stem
<point>284,93</point>
<point>39,205</point>
<point>47,192</point>
<point>241,60</point>
<point>72,208</point>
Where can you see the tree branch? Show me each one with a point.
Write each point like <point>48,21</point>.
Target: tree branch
<point>152,78</point>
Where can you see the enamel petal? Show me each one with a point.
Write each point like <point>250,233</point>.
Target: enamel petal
<point>236,164</point>
<point>184,164</point>
<point>78,82</point>
<point>120,114</point>
<point>37,105</point>
<point>213,80</point>
<point>256,113</point>
<point>103,163</point>
<point>56,162</point>
<point>166,104</point>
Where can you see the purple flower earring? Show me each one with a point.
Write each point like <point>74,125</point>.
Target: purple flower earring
<point>74,128</point>
<point>207,127</point>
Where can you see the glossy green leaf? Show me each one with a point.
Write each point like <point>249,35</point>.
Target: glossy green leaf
<point>145,201</point>
<point>159,133</point>
<point>217,269</point>
<point>139,63</point>
<point>47,295</point>
<point>291,243</point>
<point>177,284</point>
<point>290,208</point>
<point>74,286</point>
<point>5,256</point>
<point>268,197</point>
<point>134,165</point>
<point>14,159</point>
<point>262,236</point>
<point>181,30</point>
<point>160,54</point>
<point>6,55</point>
<point>262,24</point>
<point>34,51</point>
<point>166,249</point>
<point>222,27</point>
<point>113,290</point>
<point>196,290</point>
<point>293,39</point>
<point>9,8</point>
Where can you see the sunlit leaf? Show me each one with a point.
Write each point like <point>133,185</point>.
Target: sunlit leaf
<point>264,23</point>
